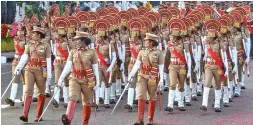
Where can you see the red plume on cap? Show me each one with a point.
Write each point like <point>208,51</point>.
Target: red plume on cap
<point>125,15</point>
<point>241,10</point>
<point>73,20</point>
<point>133,12</point>
<point>177,26</point>
<point>153,16</point>
<point>187,22</point>
<point>112,21</point>
<point>142,10</point>
<point>102,12</point>
<point>209,11</point>
<point>84,18</point>
<point>117,17</point>
<point>174,11</point>
<point>135,26</point>
<point>112,9</point>
<point>165,15</point>
<point>102,26</point>
<point>93,15</point>
<point>212,27</point>
<point>61,24</point>
<point>147,22</point>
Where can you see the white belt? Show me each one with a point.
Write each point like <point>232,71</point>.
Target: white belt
<point>60,58</point>
<point>210,60</point>
<point>106,60</point>
<point>174,59</point>
<point>17,56</point>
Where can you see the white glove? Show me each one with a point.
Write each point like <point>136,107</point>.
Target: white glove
<point>109,69</point>
<point>134,70</point>
<point>130,79</point>
<point>61,82</point>
<point>95,87</point>
<point>188,74</point>
<point>65,72</point>
<point>247,60</point>
<point>226,73</point>
<point>122,67</point>
<point>160,84</point>
<point>17,71</point>
<point>49,69</point>
<point>21,64</point>
<point>235,69</point>
<point>196,67</point>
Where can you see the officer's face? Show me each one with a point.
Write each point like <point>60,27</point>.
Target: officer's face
<point>35,36</point>
<point>80,44</point>
<point>147,43</point>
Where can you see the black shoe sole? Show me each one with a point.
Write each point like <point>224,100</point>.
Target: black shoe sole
<point>217,110</point>
<point>204,108</point>
<point>182,109</point>
<point>9,101</point>
<point>23,119</point>
<point>65,120</point>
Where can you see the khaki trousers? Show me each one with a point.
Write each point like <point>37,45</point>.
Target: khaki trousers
<point>176,77</point>
<point>103,76</point>
<point>145,88</point>
<point>213,71</point>
<point>34,76</point>
<point>77,87</point>
<point>57,73</point>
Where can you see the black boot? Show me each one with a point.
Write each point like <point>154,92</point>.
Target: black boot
<point>188,104</point>
<point>217,109</point>
<point>48,95</point>
<point>10,102</point>
<point>169,109</point>
<point>55,103</point>
<point>204,108</point>
<point>129,107</point>
<point>112,101</point>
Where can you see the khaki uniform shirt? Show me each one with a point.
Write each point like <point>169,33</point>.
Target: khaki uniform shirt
<point>88,58</point>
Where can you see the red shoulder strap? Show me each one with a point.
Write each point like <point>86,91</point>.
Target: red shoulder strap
<point>134,53</point>
<point>63,53</point>
<point>101,58</point>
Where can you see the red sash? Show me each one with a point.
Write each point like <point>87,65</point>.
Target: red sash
<point>177,54</point>
<point>63,53</point>
<point>218,61</point>
<point>101,58</point>
<point>134,53</point>
<point>20,51</point>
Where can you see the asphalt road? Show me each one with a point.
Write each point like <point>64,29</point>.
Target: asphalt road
<point>240,111</point>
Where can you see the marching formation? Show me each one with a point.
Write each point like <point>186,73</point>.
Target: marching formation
<point>145,51</point>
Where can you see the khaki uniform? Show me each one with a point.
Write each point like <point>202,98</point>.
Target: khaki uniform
<point>103,47</point>
<point>124,38</point>
<point>211,68</point>
<point>116,74</point>
<point>147,80</point>
<point>177,70</point>
<point>136,45</point>
<point>237,39</point>
<point>227,42</point>
<point>82,78</point>
<point>36,68</point>
<point>192,46</point>
<point>20,44</point>
<point>60,61</point>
